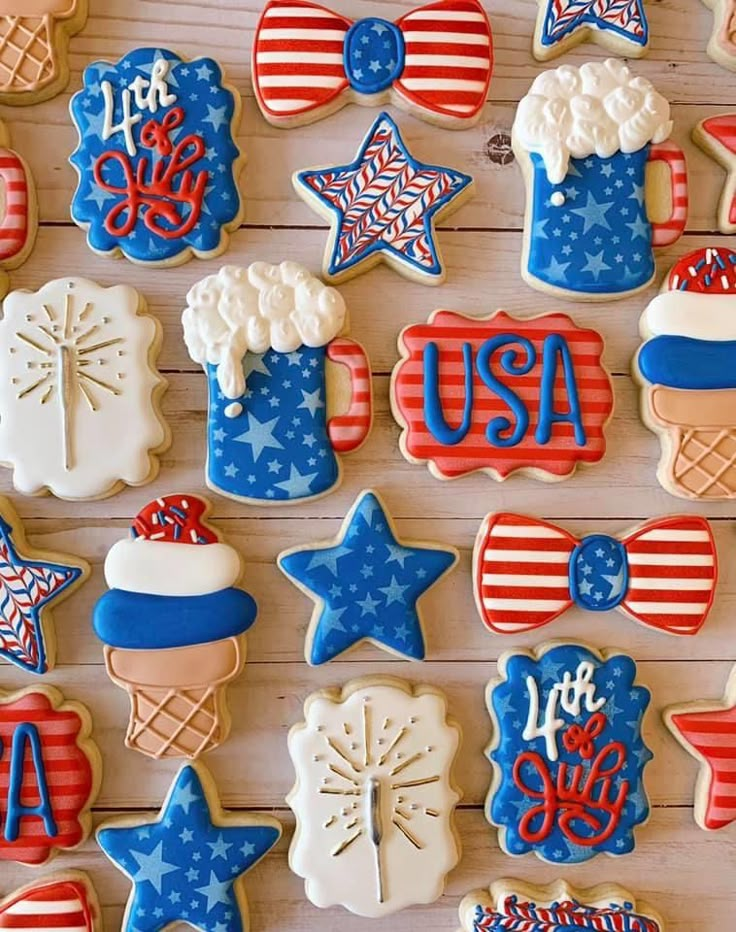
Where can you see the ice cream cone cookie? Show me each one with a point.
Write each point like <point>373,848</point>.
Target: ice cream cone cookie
<point>686,371</point>
<point>63,900</point>
<point>34,40</point>
<point>174,625</point>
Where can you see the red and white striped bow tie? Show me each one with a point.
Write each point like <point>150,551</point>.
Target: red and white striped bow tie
<point>436,61</point>
<point>527,572</point>
<point>51,904</point>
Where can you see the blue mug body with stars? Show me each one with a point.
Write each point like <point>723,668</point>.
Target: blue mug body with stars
<point>591,234</point>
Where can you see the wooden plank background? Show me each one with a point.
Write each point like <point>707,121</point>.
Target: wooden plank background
<point>688,874</point>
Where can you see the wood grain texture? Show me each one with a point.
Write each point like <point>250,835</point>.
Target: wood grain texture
<point>688,874</point>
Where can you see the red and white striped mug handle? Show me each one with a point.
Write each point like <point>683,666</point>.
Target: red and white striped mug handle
<point>15,222</point>
<point>348,431</point>
<point>667,232</point>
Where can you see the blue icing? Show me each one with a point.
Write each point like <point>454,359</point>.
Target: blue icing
<point>139,621</point>
<point>599,241</point>
<point>185,866</point>
<point>366,585</point>
<point>374,55</point>
<point>599,576</point>
<point>682,362</point>
<point>277,448</point>
<point>189,137</point>
<point>540,801</point>
<point>623,20</point>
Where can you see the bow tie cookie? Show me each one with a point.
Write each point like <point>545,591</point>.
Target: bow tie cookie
<point>174,625</point>
<point>527,572</point>
<point>435,62</point>
<point>63,900</point>
<point>583,138</point>
<point>618,25</point>
<point>157,159</point>
<point>568,753</point>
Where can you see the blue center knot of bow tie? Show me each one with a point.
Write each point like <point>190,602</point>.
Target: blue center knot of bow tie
<point>598,573</point>
<point>374,55</point>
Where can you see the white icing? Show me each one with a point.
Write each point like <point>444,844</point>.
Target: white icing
<point>159,567</point>
<point>390,738</point>
<point>597,109</point>
<point>691,314</point>
<point>147,94</point>
<point>254,309</point>
<point>76,389</point>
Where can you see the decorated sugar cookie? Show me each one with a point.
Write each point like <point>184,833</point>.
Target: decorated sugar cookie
<point>34,42</point>
<point>77,365</point>
<point>32,583</point>
<point>174,625</point>
<point>383,207</point>
<point>365,584</point>
<point>288,393</point>
<point>374,797</point>
<point>19,208</point>
<point>435,62</point>
<point>707,730</point>
<point>722,43</point>
<point>618,25</point>
<point>527,572</point>
<point>51,775</point>
<point>188,864</point>
<point>583,138</point>
<point>63,900</point>
<point>568,782</point>
<point>717,137</point>
<point>157,159</point>
<point>684,368</point>
<point>501,395</point>
<point>516,905</point>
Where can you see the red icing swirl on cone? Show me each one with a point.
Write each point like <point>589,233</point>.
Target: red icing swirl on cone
<point>174,519</point>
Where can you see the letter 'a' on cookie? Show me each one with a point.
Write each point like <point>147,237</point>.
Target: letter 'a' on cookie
<point>64,899</point>
<point>157,159</point>
<point>580,747</point>
<point>374,796</point>
<point>722,45</point>
<point>514,904</point>
<point>435,62</point>
<point>685,371</point>
<point>544,373</point>
<point>716,136</point>
<point>173,624</point>
<point>583,138</point>
<point>288,391</point>
<point>79,362</point>
<point>618,25</point>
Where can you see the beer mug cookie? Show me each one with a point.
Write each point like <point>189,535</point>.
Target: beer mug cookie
<point>269,339</point>
<point>583,138</point>
<point>686,372</point>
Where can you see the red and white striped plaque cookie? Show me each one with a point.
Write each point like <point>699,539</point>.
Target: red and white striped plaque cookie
<point>62,902</point>
<point>501,395</point>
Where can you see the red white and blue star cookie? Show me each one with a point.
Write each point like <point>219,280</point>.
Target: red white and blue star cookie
<point>436,62</point>
<point>383,207</point>
<point>618,25</point>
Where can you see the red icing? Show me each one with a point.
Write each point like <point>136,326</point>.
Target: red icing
<point>722,129</point>
<point>709,270</point>
<point>47,897</point>
<point>175,519</point>
<point>581,738</point>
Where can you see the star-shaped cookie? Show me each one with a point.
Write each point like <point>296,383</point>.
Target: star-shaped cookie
<point>366,584</point>
<point>707,730</point>
<point>618,25</point>
<point>383,207</point>
<point>716,136</point>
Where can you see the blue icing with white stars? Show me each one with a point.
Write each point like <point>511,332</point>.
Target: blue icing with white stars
<point>184,866</point>
<point>570,754</point>
<point>599,573</point>
<point>374,55</point>
<point>156,156</point>
<point>366,585</point>
<point>599,239</point>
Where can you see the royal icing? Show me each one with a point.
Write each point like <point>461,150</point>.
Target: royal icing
<point>620,25</point>
<point>65,900</point>
<point>77,363</point>
<point>717,136</point>
<point>19,210</point>
<point>707,730</point>
<point>685,368</point>
<point>568,784</point>
<point>527,572</point>
<point>501,395</point>
<point>383,206</point>
<point>31,583</point>
<point>157,159</point>
<point>173,625</point>
<point>584,137</point>
<point>267,337</point>
<point>188,864</point>
<point>435,61</point>
<point>722,43</point>
<point>50,772</point>
<point>365,584</point>
<point>374,797</point>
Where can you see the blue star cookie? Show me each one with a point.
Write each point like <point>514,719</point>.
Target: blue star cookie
<point>383,206</point>
<point>366,584</point>
<point>187,865</point>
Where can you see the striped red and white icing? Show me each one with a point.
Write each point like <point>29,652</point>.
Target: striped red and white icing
<point>666,232</point>
<point>15,221</point>
<point>348,431</point>
<point>49,906</point>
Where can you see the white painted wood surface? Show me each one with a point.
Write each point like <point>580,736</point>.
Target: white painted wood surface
<point>687,873</point>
